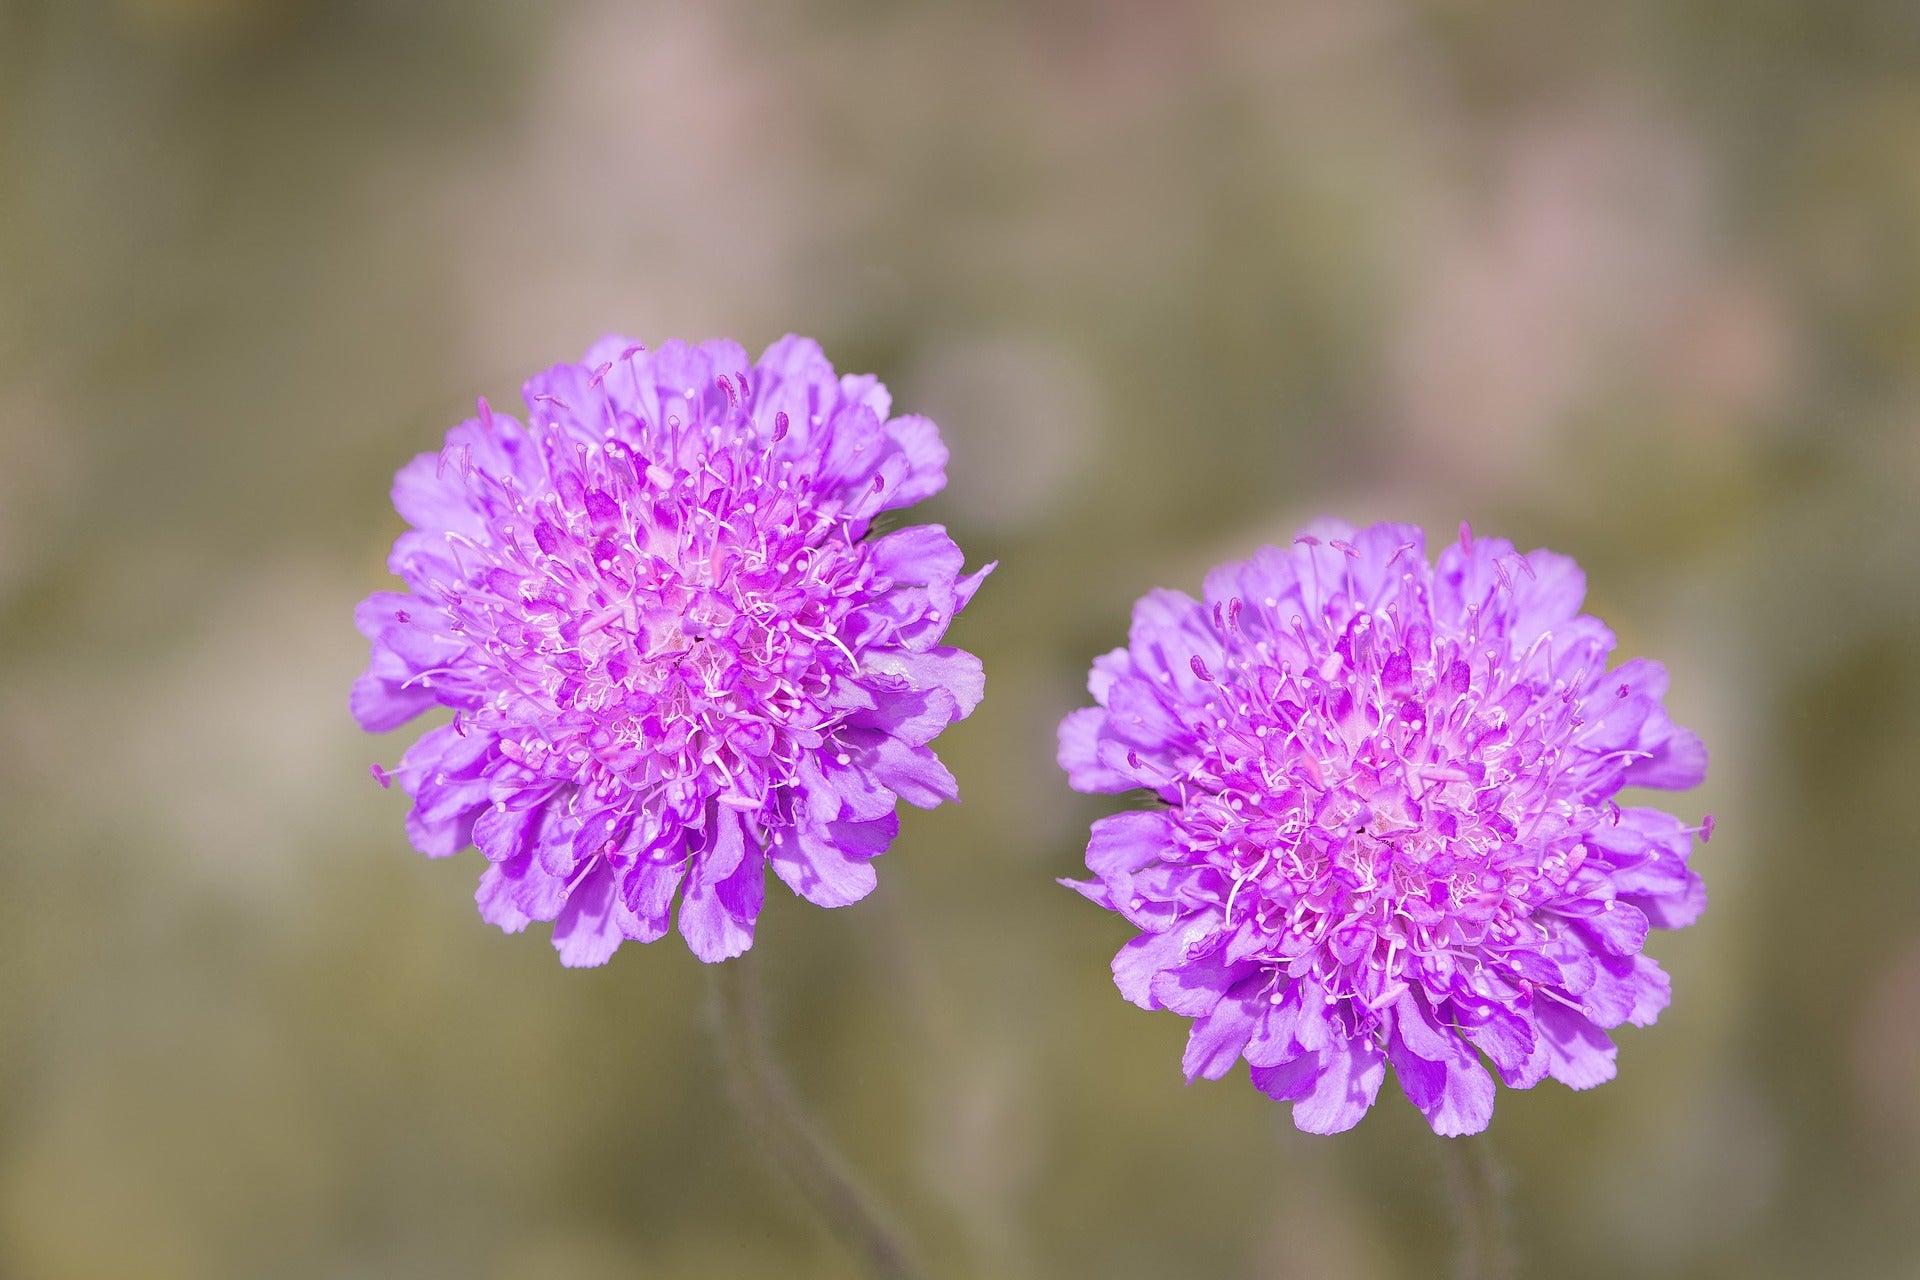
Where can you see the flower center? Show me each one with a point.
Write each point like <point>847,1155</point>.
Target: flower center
<point>1385,802</point>
<point>648,621</point>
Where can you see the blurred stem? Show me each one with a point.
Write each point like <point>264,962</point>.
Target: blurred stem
<point>787,1134</point>
<point>1477,1194</point>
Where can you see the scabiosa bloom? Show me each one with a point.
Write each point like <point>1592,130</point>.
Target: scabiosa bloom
<point>1386,829</point>
<point>675,647</point>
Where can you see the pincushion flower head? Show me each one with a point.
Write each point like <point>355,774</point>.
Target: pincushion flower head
<point>675,646</point>
<point>1385,829</point>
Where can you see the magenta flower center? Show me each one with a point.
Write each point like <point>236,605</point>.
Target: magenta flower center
<point>647,623</point>
<point>1383,798</point>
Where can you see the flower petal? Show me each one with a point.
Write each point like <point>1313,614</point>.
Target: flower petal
<point>586,932</point>
<point>831,867</point>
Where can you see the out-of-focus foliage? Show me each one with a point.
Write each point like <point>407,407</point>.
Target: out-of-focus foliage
<point>1640,282</point>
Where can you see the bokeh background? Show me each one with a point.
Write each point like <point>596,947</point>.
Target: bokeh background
<point>1637,281</point>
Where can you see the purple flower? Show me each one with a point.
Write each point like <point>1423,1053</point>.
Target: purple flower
<point>675,647</point>
<point>1386,830</point>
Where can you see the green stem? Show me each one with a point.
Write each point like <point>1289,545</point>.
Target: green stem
<point>1477,1194</point>
<point>787,1135</point>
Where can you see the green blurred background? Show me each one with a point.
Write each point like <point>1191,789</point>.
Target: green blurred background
<point>1637,281</point>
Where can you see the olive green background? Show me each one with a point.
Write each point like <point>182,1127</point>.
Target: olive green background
<point>1636,281</point>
